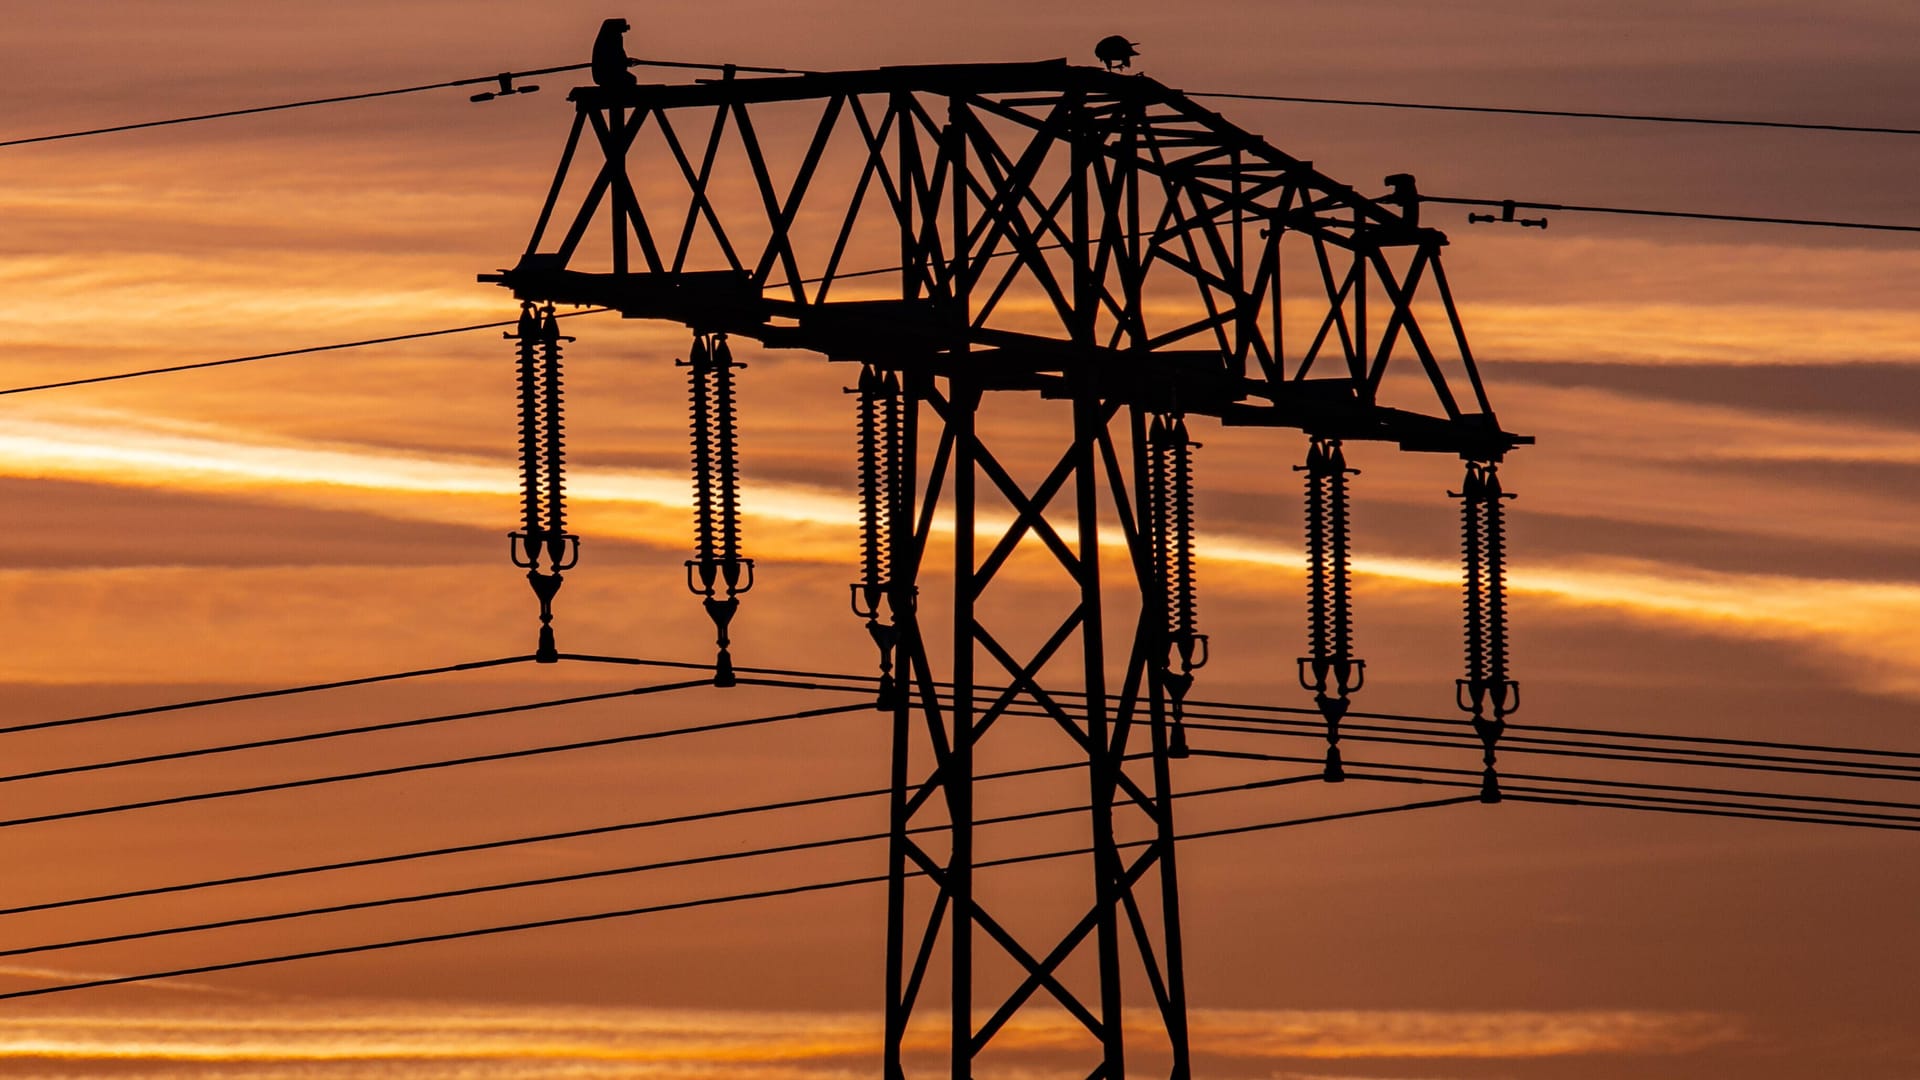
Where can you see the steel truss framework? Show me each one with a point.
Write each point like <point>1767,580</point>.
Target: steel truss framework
<point>1095,238</point>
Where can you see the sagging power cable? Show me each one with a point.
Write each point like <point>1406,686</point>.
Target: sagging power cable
<point>576,877</point>
<point>423,766</point>
<point>514,841</point>
<point>757,894</point>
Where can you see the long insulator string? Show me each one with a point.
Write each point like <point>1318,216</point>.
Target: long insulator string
<point>867,591</point>
<point>879,470</point>
<point>893,448</point>
<point>1316,514</point>
<point>542,547</point>
<point>1330,671</point>
<point>553,416</point>
<point>717,566</point>
<point>726,462</point>
<point>1184,608</point>
<point>1340,571</point>
<point>700,400</point>
<point>528,542</point>
<point>1170,528</point>
<point>1486,685</point>
<point>1498,684</point>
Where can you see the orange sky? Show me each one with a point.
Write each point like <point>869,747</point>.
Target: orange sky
<point>1715,535</point>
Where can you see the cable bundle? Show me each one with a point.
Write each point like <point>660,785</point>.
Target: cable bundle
<point>1170,521</point>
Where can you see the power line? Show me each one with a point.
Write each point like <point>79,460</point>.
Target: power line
<point>503,79</point>
<point>1442,200</point>
<point>605,872</point>
<point>1434,776</point>
<point>1518,742</point>
<point>1552,748</point>
<point>309,103</point>
<point>443,763</point>
<point>1574,799</point>
<point>258,695</point>
<point>709,901</point>
<point>1575,114</point>
<point>116,377</point>
<point>1708,740</point>
<point>337,733</point>
<point>1693,215</point>
<point>1288,710</point>
<point>514,841</point>
<point>1519,734</point>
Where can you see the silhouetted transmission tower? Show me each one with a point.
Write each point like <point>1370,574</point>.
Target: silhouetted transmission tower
<point>1088,238</point>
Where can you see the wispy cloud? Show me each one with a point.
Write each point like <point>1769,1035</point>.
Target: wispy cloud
<point>426,1039</point>
<point>1867,628</point>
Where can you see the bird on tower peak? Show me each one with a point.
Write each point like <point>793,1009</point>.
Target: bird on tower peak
<point>1116,51</point>
<point>610,55</point>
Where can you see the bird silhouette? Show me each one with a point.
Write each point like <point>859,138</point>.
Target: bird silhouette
<point>1116,51</point>
<point>610,55</point>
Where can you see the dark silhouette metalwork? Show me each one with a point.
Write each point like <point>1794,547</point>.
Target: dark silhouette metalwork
<point>717,573</point>
<point>1331,672</point>
<point>1483,546</point>
<point>542,547</point>
<point>1507,209</point>
<point>1103,243</point>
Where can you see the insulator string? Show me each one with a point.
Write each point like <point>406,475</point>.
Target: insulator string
<point>1486,682</point>
<point>553,410</point>
<point>1330,670</point>
<point>870,466</point>
<point>1168,524</point>
<point>1180,545</point>
<point>717,573</point>
<point>527,336</point>
<point>1339,566</point>
<point>700,403</point>
<point>726,460</point>
<point>1316,514</point>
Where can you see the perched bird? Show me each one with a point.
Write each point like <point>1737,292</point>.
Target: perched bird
<point>610,55</point>
<point>1116,51</point>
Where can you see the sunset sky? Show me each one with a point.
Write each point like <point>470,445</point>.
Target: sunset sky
<point>1716,535</point>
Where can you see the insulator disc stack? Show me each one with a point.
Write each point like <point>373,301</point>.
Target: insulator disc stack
<point>1170,523</point>
<point>717,572</point>
<point>1486,692</point>
<point>1330,669</point>
<point>877,423</point>
<point>542,546</point>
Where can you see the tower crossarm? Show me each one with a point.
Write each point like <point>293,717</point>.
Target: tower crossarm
<point>1030,218</point>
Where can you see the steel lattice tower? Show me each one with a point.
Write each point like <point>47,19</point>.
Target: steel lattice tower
<point>1089,238</point>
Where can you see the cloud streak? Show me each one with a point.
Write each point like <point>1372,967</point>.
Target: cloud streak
<point>1866,628</point>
